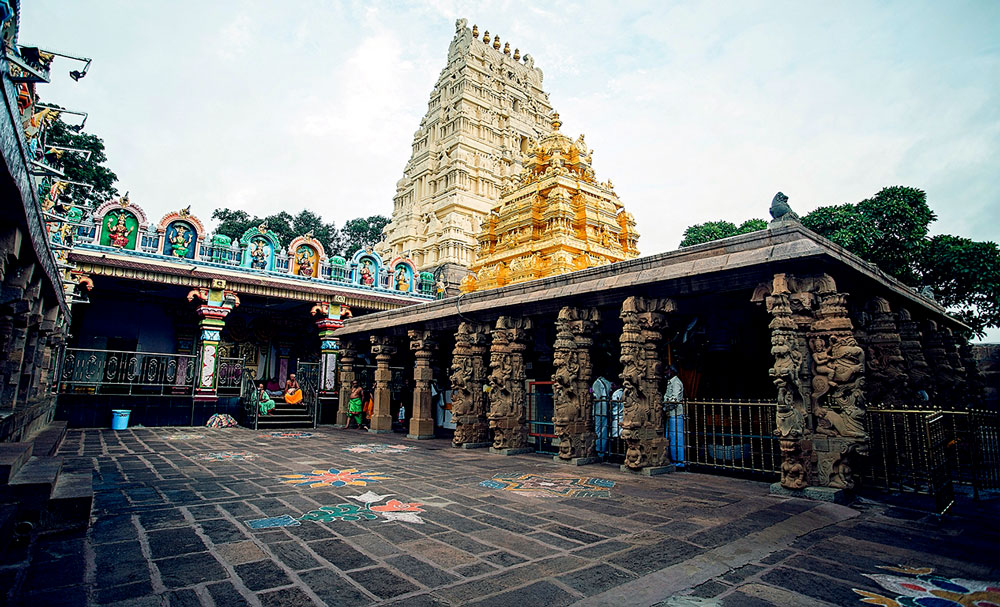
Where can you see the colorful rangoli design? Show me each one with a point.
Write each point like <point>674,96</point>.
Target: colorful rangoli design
<point>537,485</point>
<point>334,478</point>
<point>227,456</point>
<point>377,448</point>
<point>391,510</point>
<point>288,435</point>
<point>184,436</point>
<point>924,589</point>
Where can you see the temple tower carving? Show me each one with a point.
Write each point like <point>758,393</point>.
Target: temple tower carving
<point>483,111</point>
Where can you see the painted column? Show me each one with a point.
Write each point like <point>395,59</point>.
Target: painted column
<point>469,370</point>
<point>348,354</point>
<point>506,386</point>
<point>383,349</point>
<point>643,424</point>
<point>573,409</point>
<point>423,345</point>
<point>218,303</point>
<point>329,320</point>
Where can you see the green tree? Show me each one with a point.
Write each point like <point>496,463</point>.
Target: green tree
<point>890,230</point>
<point>234,223</point>
<point>714,230</point>
<point>361,232</point>
<point>76,166</point>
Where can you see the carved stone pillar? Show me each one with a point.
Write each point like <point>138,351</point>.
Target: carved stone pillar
<point>573,409</point>
<point>643,425</point>
<point>423,345</point>
<point>960,393</point>
<point>819,373</point>
<point>469,370</point>
<point>917,369</point>
<point>383,350</point>
<point>976,381</point>
<point>944,377</point>
<point>506,385</point>
<point>348,354</point>
<point>886,381</point>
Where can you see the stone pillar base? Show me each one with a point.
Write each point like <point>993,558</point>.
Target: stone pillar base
<point>821,494</point>
<point>379,431</point>
<point>576,461</point>
<point>420,436</point>
<point>649,470</point>
<point>471,445</point>
<point>511,450</point>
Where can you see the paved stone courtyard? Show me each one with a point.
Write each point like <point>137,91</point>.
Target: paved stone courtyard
<point>226,517</point>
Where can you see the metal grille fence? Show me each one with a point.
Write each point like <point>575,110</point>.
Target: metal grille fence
<point>732,435</point>
<point>91,371</point>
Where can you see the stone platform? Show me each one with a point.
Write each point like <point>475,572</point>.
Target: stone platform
<point>446,526</point>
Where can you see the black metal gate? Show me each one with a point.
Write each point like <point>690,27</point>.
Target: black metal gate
<point>541,429</point>
<point>308,378</point>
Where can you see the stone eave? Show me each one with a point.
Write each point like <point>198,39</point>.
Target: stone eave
<point>194,275</point>
<point>782,245</point>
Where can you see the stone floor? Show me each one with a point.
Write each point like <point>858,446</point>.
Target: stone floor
<point>172,507</point>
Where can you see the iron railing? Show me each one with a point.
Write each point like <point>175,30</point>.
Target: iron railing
<point>230,376</point>
<point>307,375</point>
<point>538,416</point>
<point>93,371</point>
<point>733,435</point>
<point>249,396</point>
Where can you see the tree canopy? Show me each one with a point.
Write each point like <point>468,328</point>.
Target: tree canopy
<point>76,166</point>
<point>356,233</point>
<point>891,229</point>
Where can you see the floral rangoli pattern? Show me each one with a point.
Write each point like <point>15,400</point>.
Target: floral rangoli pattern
<point>288,435</point>
<point>537,485</point>
<point>921,588</point>
<point>333,478</point>
<point>391,510</point>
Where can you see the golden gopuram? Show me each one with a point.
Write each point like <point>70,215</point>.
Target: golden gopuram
<point>554,218</point>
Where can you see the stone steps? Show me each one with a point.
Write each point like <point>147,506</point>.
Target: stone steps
<point>285,416</point>
<point>70,502</point>
<point>48,440</point>
<point>12,457</point>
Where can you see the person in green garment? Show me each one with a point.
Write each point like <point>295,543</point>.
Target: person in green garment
<point>355,405</point>
<point>265,400</point>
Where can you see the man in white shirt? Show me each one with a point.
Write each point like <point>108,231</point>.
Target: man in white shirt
<point>673,405</point>
<point>602,392</point>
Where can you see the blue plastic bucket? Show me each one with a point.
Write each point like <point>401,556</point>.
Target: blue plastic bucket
<point>119,418</point>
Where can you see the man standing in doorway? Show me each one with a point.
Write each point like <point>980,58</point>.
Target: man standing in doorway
<point>673,406</point>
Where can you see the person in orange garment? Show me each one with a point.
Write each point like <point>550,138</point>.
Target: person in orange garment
<point>293,392</point>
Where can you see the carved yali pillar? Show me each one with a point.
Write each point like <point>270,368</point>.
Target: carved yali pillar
<point>917,369</point>
<point>976,381</point>
<point>886,382</point>
<point>506,386</point>
<point>348,354</point>
<point>383,349</point>
<point>643,425</point>
<point>960,393</point>
<point>573,410</point>
<point>469,370</point>
<point>819,373</point>
<point>943,376</point>
<point>423,345</point>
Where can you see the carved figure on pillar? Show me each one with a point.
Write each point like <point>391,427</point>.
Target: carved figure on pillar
<point>348,354</point>
<point>960,393</point>
<point>921,384</point>
<point>944,377</point>
<point>977,383</point>
<point>506,383</point>
<point>468,374</point>
<point>819,375</point>
<point>383,349</point>
<point>643,425</point>
<point>423,345</point>
<point>886,379</point>
<point>573,410</point>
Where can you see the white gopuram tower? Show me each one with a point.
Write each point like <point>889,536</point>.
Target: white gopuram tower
<point>485,110</point>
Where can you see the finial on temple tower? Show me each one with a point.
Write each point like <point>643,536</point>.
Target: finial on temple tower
<point>475,30</point>
<point>556,123</point>
<point>517,54</point>
<point>506,48</point>
<point>496,42</point>
<point>486,37</point>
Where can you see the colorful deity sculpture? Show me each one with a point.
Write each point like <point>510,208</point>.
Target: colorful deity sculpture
<point>260,245</point>
<point>182,234</point>
<point>119,223</point>
<point>119,231</point>
<point>258,254</point>
<point>180,242</point>
<point>307,256</point>
<point>365,272</point>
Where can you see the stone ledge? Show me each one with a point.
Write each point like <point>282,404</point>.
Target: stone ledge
<point>649,470</point>
<point>820,494</point>
<point>511,451</point>
<point>576,461</point>
<point>420,436</point>
<point>471,445</point>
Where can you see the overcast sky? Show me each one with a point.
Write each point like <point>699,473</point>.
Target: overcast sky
<point>697,111</point>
